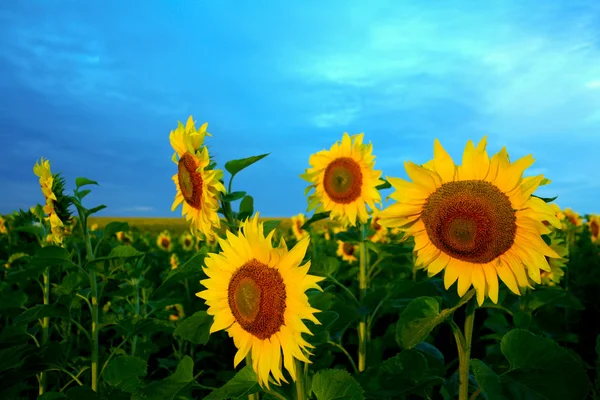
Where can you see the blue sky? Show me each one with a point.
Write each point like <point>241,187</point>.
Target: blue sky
<point>96,87</point>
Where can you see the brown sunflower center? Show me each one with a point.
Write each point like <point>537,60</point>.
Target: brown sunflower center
<point>190,181</point>
<point>165,242</point>
<point>256,295</point>
<point>470,220</point>
<point>343,180</point>
<point>348,249</point>
<point>594,228</point>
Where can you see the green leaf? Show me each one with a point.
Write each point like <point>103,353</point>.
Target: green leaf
<point>235,166</point>
<point>551,296</point>
<point>316,217</point>
<point>113,227</point>
<point>246,208</point>
<point>82,393</point>
<point>168,388</point>
<point>195,328</point>
<point>406,372</point>
<point>350,236</point>
<point>121,251</point>
<point>233,196</point>
<point>384,185</point>
<point>192,268</point>
<point>546,199</point>
<point>83,193</point>
<point>41,311</point>
<point>51,255</point>
<point>325,266</point>
<point>417,321</point>
<point>79,182</point>
<point>33,229</point>
<point>540,367</point>
<point>489,382</point>
<point>124,373</point>
<point>320,333</point>
<point>94,210</point>
<point>270,225</point>
<point>70,283</point>
<point>336,384</point>
<point>244,383</point>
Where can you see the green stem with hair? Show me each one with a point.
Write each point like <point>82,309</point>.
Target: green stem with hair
<point>253,396</point>
<point>362,284</point>
<point>463,366</point>
<point>300,381</point>
<point>45,326</point>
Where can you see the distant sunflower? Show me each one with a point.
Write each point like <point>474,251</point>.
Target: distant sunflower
<point>176,312</point>
<point>478,221</point>
<point>594,225</point>
<point>573,217</point>
<point>379,232</point>
<point>557,265</point>
<point>347,251</point>
<point>297,222</point>
<point>198,187</point>
<point>124,237</point>
<point>174,261</point>
<point>163,241</point>
<point>344,180</point>
<point>256,293</point>
<point>2,226</point>
<point>57,203</point>
<point>187,241</point>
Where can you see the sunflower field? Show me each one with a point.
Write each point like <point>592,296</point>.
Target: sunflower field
<point>464,285</point>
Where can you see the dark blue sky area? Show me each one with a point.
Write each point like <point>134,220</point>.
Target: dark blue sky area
<point>96,87</point>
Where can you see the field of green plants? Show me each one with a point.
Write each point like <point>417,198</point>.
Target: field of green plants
<point>96,308</point>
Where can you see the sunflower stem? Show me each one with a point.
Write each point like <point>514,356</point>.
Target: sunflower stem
<point>463,366</point>
<point>300,381</point>
<point>253,396</point>
<point>45,326</point>
<point>363,284</point>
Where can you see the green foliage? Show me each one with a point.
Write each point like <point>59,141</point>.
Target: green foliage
<point>335,384</point>
<point>244,383</point>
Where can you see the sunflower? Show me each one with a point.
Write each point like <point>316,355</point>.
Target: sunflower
<point>379,232</point>
<point>56,202</point>
<point>124,237</point>
<point>256,293</point>
<point>347,251</point>
<point>594,225</point>
<point>198,187</point>
<point>344,180</point>
<point>477,221</point>
<point>2,226</point>
<point>178,312</point>
<point>163,241</point>
<point>574,218</point>
<point>297,222</point>
<point>174,260</point>
<point>554,276</point>
<point>187,241</point>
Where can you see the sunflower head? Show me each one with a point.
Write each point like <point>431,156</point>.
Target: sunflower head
<point>297,222</point>
<point>174,261</point>
<point>344,180</point>
<point>256,292</point>
<point>572,217</point>
<point>594,226</point>
<point>347,251</point>
<point>176,312</point>
<point>379,232</point>
<point>124,237</point>
<point>198,185</point>
<point>477,221</point>
<point>187,241</point>
<point>3,229</point>
<point>163,241</point>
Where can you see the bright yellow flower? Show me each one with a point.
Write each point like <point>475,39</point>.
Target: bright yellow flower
<point>477,221</point>
<point>344,180</point>
<point>256,293</point>
<point>163,241</point>
<point>573,217</point>
<point>297,222</point>
<point>198,187</point>
<point>124,237</point>
<point>174,261</point>
<point>2,226</point>
<point>594,225</point>
<point>42,170</point>
<point>94,227</point>
<point>347,251</point>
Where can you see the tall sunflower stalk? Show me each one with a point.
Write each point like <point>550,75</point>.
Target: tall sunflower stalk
<point>363,284</point>
<point>55,211</point>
